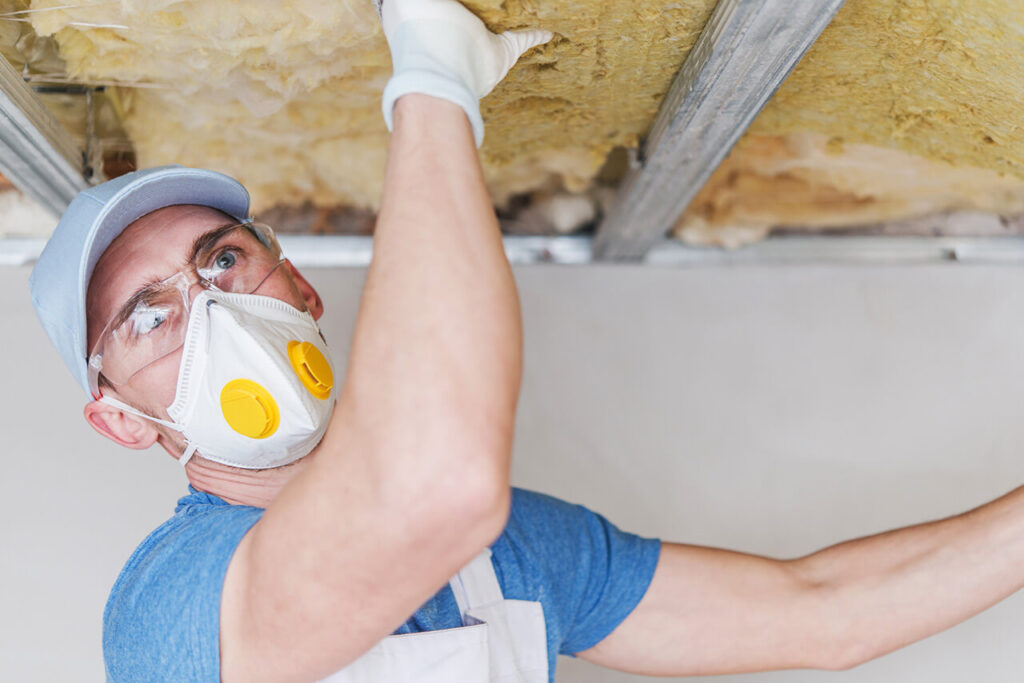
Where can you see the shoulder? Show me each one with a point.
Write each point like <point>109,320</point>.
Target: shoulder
<point>542,524</point>
<point>587,573</point>
<point>545,534</point>
<point>162,616</point>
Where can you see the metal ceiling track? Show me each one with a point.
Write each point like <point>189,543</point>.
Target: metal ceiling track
<point>349,251</point>
<point>36,153</point>
<point>745,51</point>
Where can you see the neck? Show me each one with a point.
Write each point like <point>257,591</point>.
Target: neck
<point>239,486</point>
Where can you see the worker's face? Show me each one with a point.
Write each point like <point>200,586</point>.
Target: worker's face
<point>152,249</point>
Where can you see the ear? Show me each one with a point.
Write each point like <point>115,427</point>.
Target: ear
<point>309,295</point>
<point>119,426</point>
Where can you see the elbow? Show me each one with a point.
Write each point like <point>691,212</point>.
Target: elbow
<point>844,651</point>
<point>488,506</point>
<point>846,658</point>
<point>470,510</point>
<point>474,482</point>
<point>449,459</point>
<point>826,650</point>
<point>830,641</point>
<point>481,493</point>
<point>464,497</point>
<point>859,651</point>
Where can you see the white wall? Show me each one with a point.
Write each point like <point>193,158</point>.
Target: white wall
<point>768,410</point>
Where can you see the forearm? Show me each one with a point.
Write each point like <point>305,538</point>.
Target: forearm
<point>710,611</point>
<point>437,355</point>
<point>874,595</point>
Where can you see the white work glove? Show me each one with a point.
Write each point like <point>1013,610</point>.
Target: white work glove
<point>440,48</point>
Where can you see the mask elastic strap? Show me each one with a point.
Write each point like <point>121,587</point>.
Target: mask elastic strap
<point>190,448</point>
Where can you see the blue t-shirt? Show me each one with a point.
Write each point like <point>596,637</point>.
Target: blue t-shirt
<point>161,622</point>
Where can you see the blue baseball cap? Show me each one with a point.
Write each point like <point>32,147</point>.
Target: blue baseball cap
<point>92,221</point>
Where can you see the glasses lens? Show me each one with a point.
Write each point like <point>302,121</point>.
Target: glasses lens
<point>235,258</point>
<point>240,258</point>
<point>152,328</point>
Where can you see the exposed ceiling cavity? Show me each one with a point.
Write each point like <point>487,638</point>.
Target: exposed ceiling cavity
<point>903,108</point>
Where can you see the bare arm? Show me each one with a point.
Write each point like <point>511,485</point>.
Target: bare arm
<point>412,478</point>
<point>712,611</point>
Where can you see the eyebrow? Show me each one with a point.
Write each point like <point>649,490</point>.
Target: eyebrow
<point>140,295</point>
<point>207,240</point>
<point>200,244</point>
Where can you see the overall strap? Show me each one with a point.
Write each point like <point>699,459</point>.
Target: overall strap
<point>477,584</point>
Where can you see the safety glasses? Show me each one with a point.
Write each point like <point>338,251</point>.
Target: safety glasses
<point>153,322</point>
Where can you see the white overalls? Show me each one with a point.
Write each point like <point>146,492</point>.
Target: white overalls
<point>500,641</point>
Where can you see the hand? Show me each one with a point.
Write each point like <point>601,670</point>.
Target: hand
<point>440,48</point>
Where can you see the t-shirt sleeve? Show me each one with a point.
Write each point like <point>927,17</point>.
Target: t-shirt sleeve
<point>587,574</point>
<point>162,620</point>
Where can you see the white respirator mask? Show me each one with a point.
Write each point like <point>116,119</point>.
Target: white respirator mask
<point>256,384</point>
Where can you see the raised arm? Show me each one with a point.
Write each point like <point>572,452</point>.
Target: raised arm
<point>411,479</point>
<point>712,611</point>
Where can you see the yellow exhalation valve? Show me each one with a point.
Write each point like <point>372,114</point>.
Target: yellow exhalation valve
<point>249,408</point>
<point>312,368</point>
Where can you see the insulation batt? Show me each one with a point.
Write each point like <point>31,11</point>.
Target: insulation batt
<point>902,108</point>
<point>285,95</point>
<point>812,182</point>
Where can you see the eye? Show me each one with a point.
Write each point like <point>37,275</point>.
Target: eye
<point>226,259</point>
<point>145,319</point>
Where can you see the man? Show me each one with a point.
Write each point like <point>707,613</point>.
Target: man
<point>322,517</point>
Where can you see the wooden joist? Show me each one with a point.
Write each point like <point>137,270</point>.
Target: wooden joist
<point>746,50</point>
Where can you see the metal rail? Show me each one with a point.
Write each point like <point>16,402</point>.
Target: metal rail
<point>36,153</point>
<point>745,51</point>
<point>340,251</point>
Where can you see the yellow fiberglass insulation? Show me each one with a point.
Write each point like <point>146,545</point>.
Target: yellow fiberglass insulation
<point>902,107</point>
<point>286,95</point>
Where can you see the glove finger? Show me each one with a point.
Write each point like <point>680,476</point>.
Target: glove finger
<point>518,42</point>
